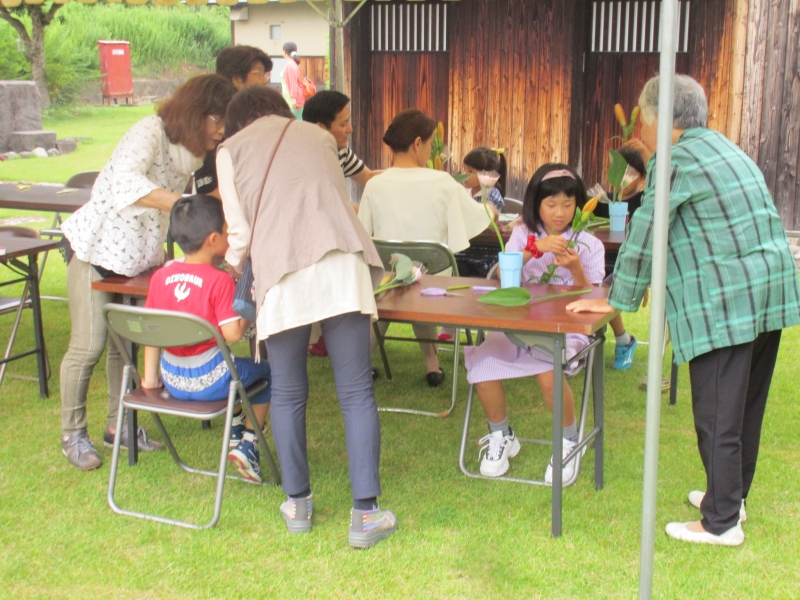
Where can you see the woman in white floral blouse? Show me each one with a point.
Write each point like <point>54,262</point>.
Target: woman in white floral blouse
<point>122,231</point>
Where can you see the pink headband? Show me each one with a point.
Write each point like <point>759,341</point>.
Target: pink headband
<point>558,173</point>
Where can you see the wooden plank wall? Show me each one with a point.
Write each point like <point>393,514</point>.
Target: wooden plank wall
<point>316,69</point>
<point>511,78</point>
<point>771,107</point>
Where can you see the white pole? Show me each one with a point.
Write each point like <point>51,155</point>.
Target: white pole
<point>669,14</point>
<point>338,33</point>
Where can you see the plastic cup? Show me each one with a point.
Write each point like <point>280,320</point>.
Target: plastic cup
<point>618,214</point>
<point>510,268</point>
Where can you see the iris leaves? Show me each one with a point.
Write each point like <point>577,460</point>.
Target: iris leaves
<point>518,296</point>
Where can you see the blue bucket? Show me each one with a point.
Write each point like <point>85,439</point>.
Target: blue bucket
<point>510,268</point>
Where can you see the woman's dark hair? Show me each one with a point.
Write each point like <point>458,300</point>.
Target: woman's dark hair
<point>486,159</point>
<point>238,61</point>
<point>290,47</point>
<point>185,113</point>
<point>251,103</point>
<point>538,190</point>
<point>193,219</point>
<point>634,159</point>
<point>406,127</point>
<point>323,107</point>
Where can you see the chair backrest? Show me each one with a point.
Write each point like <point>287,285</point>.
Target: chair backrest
<point>512,205</point>
<point>19,231</point>
<point>83,180</point>
<point>161,329</point>
<point>436,256</point>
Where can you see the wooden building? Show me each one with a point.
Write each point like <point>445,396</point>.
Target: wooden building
<point>540,77</point>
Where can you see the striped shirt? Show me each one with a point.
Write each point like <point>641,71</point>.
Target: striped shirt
<point>494,196</point>
<point>350,163</point>
<point>730,275</point>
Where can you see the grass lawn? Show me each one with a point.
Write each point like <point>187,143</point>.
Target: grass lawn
<point>105,125</point>
<point>458,538</point>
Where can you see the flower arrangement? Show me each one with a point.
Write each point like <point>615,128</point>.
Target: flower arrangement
<point>618,175</point>
<point>439,152</point>
<point>404,272</point>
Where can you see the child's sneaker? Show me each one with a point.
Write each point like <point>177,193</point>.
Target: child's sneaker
<point>568,472</point>
<point>318,348</point>
<point>496,449</point>
<point>623,355</point>
<point>297,514</point>
<point>247,459</point>
<point>237,430</point>
<point>368,527</point>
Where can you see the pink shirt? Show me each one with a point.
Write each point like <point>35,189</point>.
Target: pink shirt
<point>293,78</point>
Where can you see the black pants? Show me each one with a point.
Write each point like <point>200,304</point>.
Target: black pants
<point>729,395</point>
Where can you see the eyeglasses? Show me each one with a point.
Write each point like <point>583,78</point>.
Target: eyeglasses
<point>218,121</point>
<point>259,73</point>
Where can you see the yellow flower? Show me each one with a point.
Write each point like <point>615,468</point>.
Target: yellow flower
<point>437,163</point>
<point>634,114</point>
<point>620,113</point>
<point>440,130</point>
<point>590,206</point>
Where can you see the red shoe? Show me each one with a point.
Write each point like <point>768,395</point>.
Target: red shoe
<point>444,337</point>
<point>318,349</point>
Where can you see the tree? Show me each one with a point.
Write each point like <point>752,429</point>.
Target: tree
<point>33,41</point>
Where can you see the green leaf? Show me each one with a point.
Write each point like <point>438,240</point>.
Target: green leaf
<point>514,296</point>
<point>616,168</point>
<point>402,266</point>
<point>461,177</point>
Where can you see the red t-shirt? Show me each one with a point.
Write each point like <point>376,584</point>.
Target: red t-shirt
<point>198,289</point>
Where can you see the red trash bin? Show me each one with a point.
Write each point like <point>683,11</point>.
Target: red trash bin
<point>115,70</point>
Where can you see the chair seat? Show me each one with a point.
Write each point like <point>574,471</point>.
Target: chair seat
<point>161,401</point>
<point>8,304</point>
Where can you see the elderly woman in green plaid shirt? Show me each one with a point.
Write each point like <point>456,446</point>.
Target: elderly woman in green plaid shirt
<point>732,286</point>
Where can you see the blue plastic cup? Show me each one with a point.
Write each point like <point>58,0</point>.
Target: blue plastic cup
<point>618,214</point>
<point>510,268</point>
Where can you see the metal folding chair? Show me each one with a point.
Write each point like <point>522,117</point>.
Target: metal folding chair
<point>511,205</point>
<point>586,358</point>
<point>437,258</point>
<point>17,304</point>
<point>160,329</point>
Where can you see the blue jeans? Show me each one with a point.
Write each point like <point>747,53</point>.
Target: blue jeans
<point>249,373</point>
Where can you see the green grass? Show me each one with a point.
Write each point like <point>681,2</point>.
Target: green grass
<point>458,537</point>
<point>105,125</point>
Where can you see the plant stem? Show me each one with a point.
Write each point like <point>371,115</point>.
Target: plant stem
<point>549,296</point>
<point>484,196</point>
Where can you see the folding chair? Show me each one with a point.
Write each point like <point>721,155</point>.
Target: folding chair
<point>17,305</point>
<point>436,257</point>
<point>511,205</point>
<point>160,329</point>
<point>545,344</point>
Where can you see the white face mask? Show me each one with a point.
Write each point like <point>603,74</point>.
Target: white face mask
<point>185,162</point>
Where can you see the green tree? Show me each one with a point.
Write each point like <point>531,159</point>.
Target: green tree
<point>41,15</point>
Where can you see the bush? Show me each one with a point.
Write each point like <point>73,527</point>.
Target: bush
<point>164,42</point>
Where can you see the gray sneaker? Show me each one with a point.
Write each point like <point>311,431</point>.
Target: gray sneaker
<point>144,443</point>
<point>368,527</point>
<point>297,514</point>
<point>79,451</point>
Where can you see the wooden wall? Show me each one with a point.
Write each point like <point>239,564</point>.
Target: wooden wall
<point>316,69</point>
<point>770,131</point>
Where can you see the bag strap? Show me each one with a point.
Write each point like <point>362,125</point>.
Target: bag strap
<point>264,183</point>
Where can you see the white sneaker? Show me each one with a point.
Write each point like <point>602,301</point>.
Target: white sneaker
<point>733,537</point>
<point>696,498</point>
<point>568,472</point>
<point>496,449</point>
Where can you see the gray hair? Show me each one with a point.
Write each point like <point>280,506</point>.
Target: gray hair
<point>690,107</point>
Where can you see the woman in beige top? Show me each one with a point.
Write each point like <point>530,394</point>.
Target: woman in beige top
<point>411,202</point>
<point>312,262</point>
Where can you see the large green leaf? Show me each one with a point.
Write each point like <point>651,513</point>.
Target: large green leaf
<point>402,266</point>
<point>616,168</point>
<point>513,296</point>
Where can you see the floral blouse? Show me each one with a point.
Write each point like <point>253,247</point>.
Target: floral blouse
<point>110,231</point>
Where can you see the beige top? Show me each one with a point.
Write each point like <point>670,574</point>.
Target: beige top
<point>421,204</point>
<point>311,257</point>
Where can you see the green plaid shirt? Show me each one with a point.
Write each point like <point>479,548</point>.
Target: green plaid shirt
<point>730,274</point>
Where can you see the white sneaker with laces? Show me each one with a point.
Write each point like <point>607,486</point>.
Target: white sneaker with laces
<point>696,498</point>
<point>496,449</point>
<point>568,472</point>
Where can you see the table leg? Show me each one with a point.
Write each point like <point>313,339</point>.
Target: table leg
<point>559,357</point>
<point>38,326</point>
<point>673,383</point>
<point>598,389</point>
<point>133,441</point>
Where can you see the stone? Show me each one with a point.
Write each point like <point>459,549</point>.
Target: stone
<point>40,152</point>
<point>28,140</point>
<point>53,152</point>
<point>20,110</point>
<point>66,145</point>
<point>11,155</point>
<point>26,154</point>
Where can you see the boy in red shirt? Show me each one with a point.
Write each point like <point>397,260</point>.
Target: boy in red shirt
<point>196,286</point>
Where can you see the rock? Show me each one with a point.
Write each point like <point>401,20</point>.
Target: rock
<point>53,152</point>
<point>66,145</point>
<point>28,140</point>
<point>11,155</point>
<point>40,152</point>
<point>20,110</point>
<point>26,154</point>
<point>83,139</point>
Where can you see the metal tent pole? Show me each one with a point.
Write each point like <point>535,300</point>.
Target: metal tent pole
<point>669,36</point>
